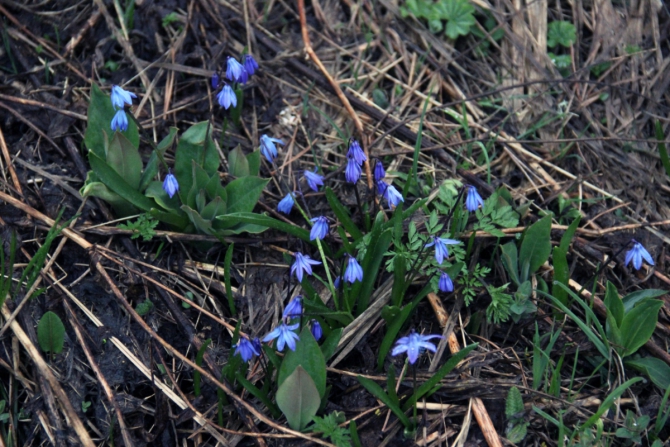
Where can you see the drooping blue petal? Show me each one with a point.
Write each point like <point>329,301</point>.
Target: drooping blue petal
<point>445,284</point>
<point>268,148</point>
<point>441,250</point>
<point>286,204</point>
<point>170,185</point>
<point>227,97</point>
<point>317,332</point>
<point>250,64</point>
<point>215,80</point>
<point>246,349</point>
<point>392,196</point>
<point>637,254</point>
<point>120,121</point>
<point>235,71</point>
<point>473,200</point>
<point>412,345</point>
<point>356,152</point>
<point>121,97</point>
<point>353,171</point>
<point>319,229</point>
<point>314,180</point>
<point>293,309</point>
<point>379,173</point>
<point>354,271</point>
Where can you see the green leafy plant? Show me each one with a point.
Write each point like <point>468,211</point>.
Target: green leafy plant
<point>496,213</point>
<point>142,227</point>
<point>144,307</point>
<point>517,427</point>
<point>51,333</point>
<point>633,428</point>
<point>329,426</point>
<point>561,32</point>
<point>459,15</point>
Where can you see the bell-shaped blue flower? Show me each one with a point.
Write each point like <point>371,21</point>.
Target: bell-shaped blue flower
<point>246,349</point>
<point>381,187</point>
<point>235,71</point>
<point>314,180</point>
<point>285,205</point>
<point>356,152</point>
<point>413,344</point>
<point>250,64</point>
<point>121,97</point>
<point>637,254</point>
<point>284,335</point>
<point>120,121</point>
<point>353,171</point>
<point>317,332</point>
<point>392,196</point>
<point>441,250</point>
<point>445,284</point>
<point>354,271</point>
<point>227,97</point>
<point>170,184</point>
<point>302,264</point>
<point>268,148</point>
<point>379,173</point>
<point>473,200</point>
<point>319,229</point>
<point>293,309</point>
<point>215,80</point>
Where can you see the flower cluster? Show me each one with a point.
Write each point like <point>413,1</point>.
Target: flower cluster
<point>355,159</point>
<point>247,349</point>
<point>120,98</point>
<point>388,192</point>
<point>237,73</point>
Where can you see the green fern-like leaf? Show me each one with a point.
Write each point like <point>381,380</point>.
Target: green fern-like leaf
<point>514,403</point>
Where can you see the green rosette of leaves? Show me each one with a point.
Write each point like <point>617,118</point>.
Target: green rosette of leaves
<point>203,203</point>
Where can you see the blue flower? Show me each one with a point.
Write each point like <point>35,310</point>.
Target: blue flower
<point>121,97</point>
<point>120,121</point>
<point>412,345</point>
<point>314,180</point>
<point>250,64</point>
<point>445,284</point>
<point>268,148</point>
<point>235,71</point>
<point>440,244</point>
<point>381,187</point>
<point>354,271</point>
<point>379,171</point>
<point>356,152</point>
<point>337,282</point>
<point>319,229</point>
<point>302,264</point>
<point>257,344</point>
<point>227,97</point>
<point>293,309</point>
<point>636,254</point>
<point>473,200</point>
<point>284,335</point>
<point>246,349</point>
<point>170,185</point>
<point>215,80</point>
<point>353,171</point>
<point>286,204</point>
<point>317,332</point>
<point>392,196</point>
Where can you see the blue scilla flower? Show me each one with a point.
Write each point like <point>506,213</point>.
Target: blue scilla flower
<point>319,229</point>
<point>637,254</point>
<point>284,335</point>
<point>120,121</point>
<point>356,152</point>
<point>268,148</point>
<point>250,64</point>
<point>170,184</point>
<point>353,171</point>
<point>246,349</point>
<point>293,309</point>
<point>473,200</point>
<point>413,344</point>
<point>314,180</point>
<point>445,284</point>
<point>215,80</point>
<point>302,264</point>
<point>379,173</point>
<point>234,69</point>
<point>121,97</point>
<point>440,244</point>
<point>381,187</point>
<point>354,271</point>
<point>392,196</point>
<point>227,97</point>
<point>317,332</point>
<point>285,205</point>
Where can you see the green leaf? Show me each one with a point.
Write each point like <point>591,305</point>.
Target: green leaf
<point>98,129</point>
<point>662,150</point>
<point>254,162</point>
<point>125,159</point>
<point>510,261</point>
<point>569,234</point>
<point>639,324</point>
<point>379,393</point>
<point>374,256</point>
<point>202,225</point>
<point>96,189</point>
<point>632,299</point>
<point>656,369</point>
<point>298,398</point>
<point>561,33</point>
<point>459,15</point>
<point>308,355</point>
<point>243,194</point>
<point>238,165</point>
<point>535,248</point>
<point>561,274</point>
<point>514,402</point>
<point>267,221</point>
<point>329,345</point>
<point>51,333</point>
<point>194,147</point>
<point>151,170</point>
<point>343,215</point>
<point>607,403</point>
<point>116,183</point>
<point>198,361</point>
<point>613,303</point>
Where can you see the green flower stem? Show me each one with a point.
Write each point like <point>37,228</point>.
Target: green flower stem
<point>330,279</point>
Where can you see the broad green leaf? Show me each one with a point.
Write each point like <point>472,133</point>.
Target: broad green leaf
<point>151,170</point>
<point>125,159</point>
<point>569,233</point>
<point>656,369</point>
<point>535,248</point>
<point>639,324</point>
<point>379,393</point>
<point>329,345</point>
<point>263,220</point>
<point>298,398</point>
<point>254,161</point>
<point>561,274</point>
<point>613,332</point>
<point>343,215</point>
<point>51,333</point>
<point>510,261</point>
<point>202,225</point>
<point>200,181</point>
<point>561,32</point>
<point>308,355</point>
<point>96,189</point>
<point>243,194</point>
<point>613,303</point>
<point>632,299</point>
<point>259,394</point>
<point>216,207</point>
<point>374,256</point>
<point>116,183</point>
<point>459,16</point>
<point>155,191</point>
<point>238,165</point>
<point>98,129</point>
<point>193,147</point>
